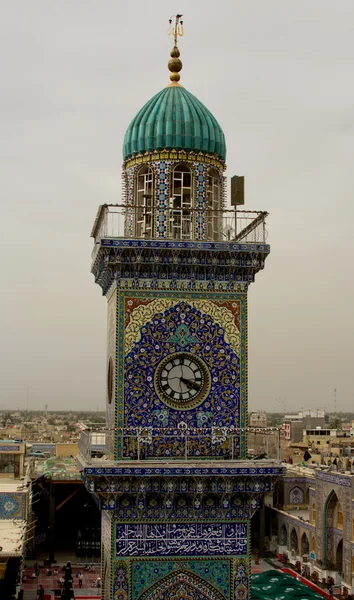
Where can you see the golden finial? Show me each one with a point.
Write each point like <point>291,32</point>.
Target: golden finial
<point>175,64</point>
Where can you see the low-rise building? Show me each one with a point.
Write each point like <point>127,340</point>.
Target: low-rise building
<point>305,419</point>
<point>12,453</point>
<point>258,419</point>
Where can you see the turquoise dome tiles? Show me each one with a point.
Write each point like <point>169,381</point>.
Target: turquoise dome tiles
<point>174,119</point>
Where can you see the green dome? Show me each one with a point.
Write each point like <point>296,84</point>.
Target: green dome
<point>174,119</point>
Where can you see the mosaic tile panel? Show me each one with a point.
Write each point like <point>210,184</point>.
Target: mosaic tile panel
<point>121,580</point>
<point>106,573</point>
<point>211,327</point>
<point>215,572</point>
<point>12,506</point>
<point>182,585</point>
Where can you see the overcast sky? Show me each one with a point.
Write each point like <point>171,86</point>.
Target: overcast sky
<point>278,76</point>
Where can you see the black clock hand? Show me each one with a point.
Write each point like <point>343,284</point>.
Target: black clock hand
<point>191,384</point>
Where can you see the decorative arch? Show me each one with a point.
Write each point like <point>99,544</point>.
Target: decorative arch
<point>181,585</point>
<point>296,495</point>
<point>305,545</point>
<point>294,540</point>
<point>332,514</point>
<point>211,506</point>
<point>144,202</point>
<point>153,505</point>
<point>182,506</point>
<point>125,507</point>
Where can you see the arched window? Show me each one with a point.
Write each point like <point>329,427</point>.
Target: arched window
<point>213,204</point>
<point>181,203</point>
<point>144,198</point>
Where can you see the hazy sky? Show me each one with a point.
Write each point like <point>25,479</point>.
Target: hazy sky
<point>278,76</point>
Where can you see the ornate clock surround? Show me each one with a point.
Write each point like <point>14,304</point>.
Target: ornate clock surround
<point>213,326</point>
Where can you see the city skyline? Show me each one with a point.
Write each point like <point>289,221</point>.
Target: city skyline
<point>278,79</point>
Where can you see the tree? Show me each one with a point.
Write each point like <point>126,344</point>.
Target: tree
<point>335,423</point>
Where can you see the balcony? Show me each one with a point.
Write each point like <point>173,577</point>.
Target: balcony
<point>178,224</point>
<point>159,443</point>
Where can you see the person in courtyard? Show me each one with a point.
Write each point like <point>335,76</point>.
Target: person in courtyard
<point>79,576</point>
<point>40,593</point>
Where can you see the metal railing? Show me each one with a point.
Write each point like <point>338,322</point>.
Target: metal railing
<point>184,224</point>
<point>217,443</point>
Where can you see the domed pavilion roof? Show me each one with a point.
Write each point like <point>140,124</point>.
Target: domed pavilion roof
<point>174,119</point>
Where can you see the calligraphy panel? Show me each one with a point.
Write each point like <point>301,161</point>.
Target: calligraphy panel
<point>182,539</point>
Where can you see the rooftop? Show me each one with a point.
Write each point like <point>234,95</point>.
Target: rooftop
<point>11,536</point>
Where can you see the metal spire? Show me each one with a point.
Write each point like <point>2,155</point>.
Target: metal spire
<point>175,64</point>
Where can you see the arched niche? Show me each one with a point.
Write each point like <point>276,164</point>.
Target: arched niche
<point>305,545</point>
<point>284,535</point>
<point>182,585</point>
<point>333,519</point>
<point>294,540</point>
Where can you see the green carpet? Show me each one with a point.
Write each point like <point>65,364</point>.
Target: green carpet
<point>273,585</point>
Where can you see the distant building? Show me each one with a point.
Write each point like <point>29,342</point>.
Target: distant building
<point>12,454</point>
<point>258,419</point>
<point>305,419</point>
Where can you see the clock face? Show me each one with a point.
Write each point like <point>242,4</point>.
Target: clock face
<point>182,380</point>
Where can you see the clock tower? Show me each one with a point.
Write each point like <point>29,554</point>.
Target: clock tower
<point>174,260</point>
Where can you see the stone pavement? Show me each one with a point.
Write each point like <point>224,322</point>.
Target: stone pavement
<point>51,582</point>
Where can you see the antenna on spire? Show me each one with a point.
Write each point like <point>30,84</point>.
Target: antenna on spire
<point>175,64</point>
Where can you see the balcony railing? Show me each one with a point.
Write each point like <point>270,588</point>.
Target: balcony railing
<point>217,443</point>
<point>179,223</point>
